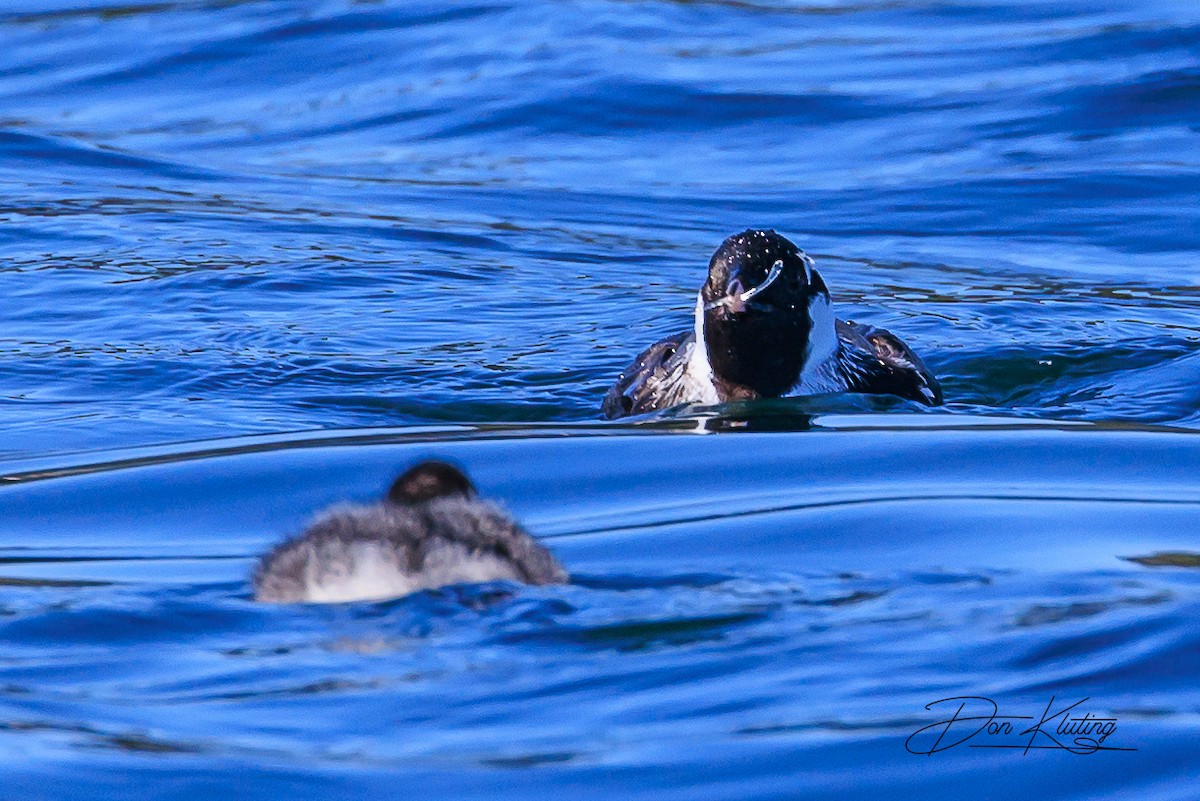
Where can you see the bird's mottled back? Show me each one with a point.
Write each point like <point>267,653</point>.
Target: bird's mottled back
<point>437,534</point>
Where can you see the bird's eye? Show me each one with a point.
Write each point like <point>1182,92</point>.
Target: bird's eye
<point>668,353</point>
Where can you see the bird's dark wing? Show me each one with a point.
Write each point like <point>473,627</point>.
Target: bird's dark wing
<point>891,366</point>
<point>649,383</point>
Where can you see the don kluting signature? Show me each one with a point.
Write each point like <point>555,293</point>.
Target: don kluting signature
<point>975,721</point>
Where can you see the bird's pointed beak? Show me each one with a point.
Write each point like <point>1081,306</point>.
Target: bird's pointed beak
<point>735,293</point>
<point>737,296</point>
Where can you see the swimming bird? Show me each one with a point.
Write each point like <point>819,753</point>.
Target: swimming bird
<point>764,327</point>
<point>430,530</point>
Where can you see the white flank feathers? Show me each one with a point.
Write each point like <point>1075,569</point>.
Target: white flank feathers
<point>820,373</point>
<point>698,377</point>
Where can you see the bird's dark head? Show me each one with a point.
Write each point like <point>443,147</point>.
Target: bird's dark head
<point>429,480</point>
<point>758,307</point>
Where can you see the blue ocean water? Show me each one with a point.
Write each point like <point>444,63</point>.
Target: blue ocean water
<point>258,255</point>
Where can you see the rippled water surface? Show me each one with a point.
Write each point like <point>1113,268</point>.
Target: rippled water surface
<point>257,256</point>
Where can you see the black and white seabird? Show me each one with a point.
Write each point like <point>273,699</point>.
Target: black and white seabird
<point>764,328</point>
<point>431,530</point>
